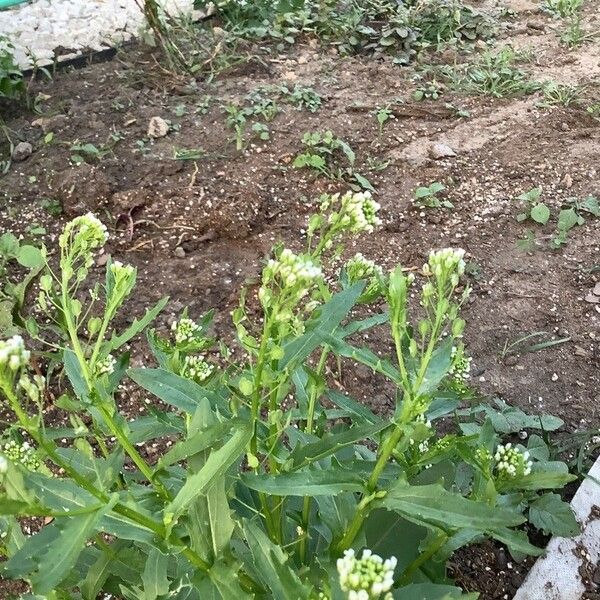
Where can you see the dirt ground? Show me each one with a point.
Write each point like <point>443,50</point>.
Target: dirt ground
<point>198,229</point>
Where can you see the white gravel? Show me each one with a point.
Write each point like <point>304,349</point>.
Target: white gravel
<point>37,28</point>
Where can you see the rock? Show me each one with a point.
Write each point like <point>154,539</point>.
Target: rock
<point>438,151</point>
<point>536,26</point>
<point>179,252</point>
<point>48,124</point>
<point>592,298</point>
<point>22,151</point>
<point>596,290</point>
<point>82,189</point>
<point>157,127</point>
<point>567,181</point>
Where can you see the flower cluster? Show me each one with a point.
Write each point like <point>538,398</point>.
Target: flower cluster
<point>512,462</point>
<point>447,260</point>
<point>13,354</point>
<point>23,454</point>
<point>185,330</point>
<point>121,282</point>
<point>81,237</point>
<point>292,270</point>
<point>196,368</point>
<point>461,364</point>
<point>105,366</point>
<point>357,212</point>
<point>367,578</point>
<point>359,268</point>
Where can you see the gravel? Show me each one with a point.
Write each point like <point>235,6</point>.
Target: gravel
<point>71,27</point>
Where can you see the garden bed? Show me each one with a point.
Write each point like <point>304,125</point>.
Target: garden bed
<point>196,216</point>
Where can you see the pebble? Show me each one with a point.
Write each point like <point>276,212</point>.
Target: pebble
<point>157,127</point>
<point>22,151</point>
<point>179,252</point>
<point>439,151</point>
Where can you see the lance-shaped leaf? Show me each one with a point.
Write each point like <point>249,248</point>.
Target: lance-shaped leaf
<point>305,454</point>
<point>177,391</point>
<point>359,412</point>
<point>216,465</point>
<point>154,577</point>
<point>331,315</point>
<point>306,483</point>
<point>270,563</point>
<point>434,505</point>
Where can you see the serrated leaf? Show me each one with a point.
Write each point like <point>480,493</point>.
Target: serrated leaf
<point>553,516</point>
<point>216,465</point>
<point>116,341</point>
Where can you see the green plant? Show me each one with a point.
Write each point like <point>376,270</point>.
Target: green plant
<point>563,8</point>
<point>493,74</point>
<point>236,120</point>
<point>12,85</point>
<point>533,208</point>
<point>428,91</point>
<point>274,480</point>
<point>303,97</point>
<point>428,196</point>
<point>325,153</point>
<point>562,94</point>
<point>12,292</point>
<point>571,215</point>
<point>383,114</point>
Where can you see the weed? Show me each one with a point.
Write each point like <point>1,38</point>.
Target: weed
<point>236,120</point>
<point>563,8</point>
<point>383,114</point>
<point>573,214</point>
<point>533,208</point>
<point>189,153</point>
<point>562,94</point>
<point>493,74</point>
<point>326,153</point>
<point>428,91</point>
<point>12,85</point>
<point>429,196</point>
<point>519,346</point>
<point>52,206</point>
<point>303,97</point>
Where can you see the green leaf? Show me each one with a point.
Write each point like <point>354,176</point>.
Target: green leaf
<point>567,219</point>
<point>30,257</point>
<point>517,541</point>
<point>226,580</point>
<point>359,412</point>
<point>306,483</point>
<point>544,476</point>
<point>331,315</point>
<point>60,554</point>
<point>73,371</point>
<point>432,504</point>
<point>511,420</point>
<point>98,573</point>
<point>154,577</point>
<point>175,390</point>
<point>216,465</point>
<point>271,565</point>
<point>540,213</point>
<point>553,516</point>
<point>438,367</point>
<point>364,182</point>
<point>431,591</point>
<point>329,444</point>
<point>116,341</point>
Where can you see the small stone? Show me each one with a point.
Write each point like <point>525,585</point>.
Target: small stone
<point>439,151</point>
<point>179,252</point>
<point>592,298</point>
<point>158,127</point>
<point>565,126</point>
<point>579,351</point>
<point>567,181</point>
<point>22,151</point>
<point>596,290</point>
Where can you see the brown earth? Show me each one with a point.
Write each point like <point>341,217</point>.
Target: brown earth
<point>198,229</point>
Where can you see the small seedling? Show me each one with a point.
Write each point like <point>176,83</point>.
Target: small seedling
<point>236,120</point>
<point>261,131</point>
<point>533,208</point>
<point>429,196</point>
<point>428,91</point>
<point>573,215</point>
<point>383,115</point>
<point>189,153</point>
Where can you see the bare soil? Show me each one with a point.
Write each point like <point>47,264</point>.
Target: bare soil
<point>198,229</point>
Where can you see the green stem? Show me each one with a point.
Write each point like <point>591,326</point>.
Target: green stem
<point>312,401</point>
<point>422,559</point>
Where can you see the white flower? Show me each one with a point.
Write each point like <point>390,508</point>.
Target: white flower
<point>195,367</point>
<point>357,213</point>
<point>185,330</point>
<point>512,462</point>
<point>367,578</point>
<point>121,271</point>
<point>105,365</point>
<point>449,260</point>
<point>23,454</point>
<point>87,231</point>
<point>461,364</point>
<point>292,272</point>
<point>13,353</point>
